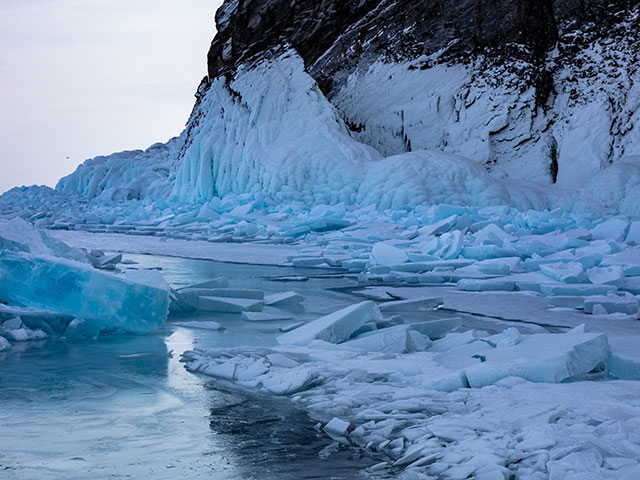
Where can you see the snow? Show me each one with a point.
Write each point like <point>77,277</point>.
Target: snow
<point>335,327</point>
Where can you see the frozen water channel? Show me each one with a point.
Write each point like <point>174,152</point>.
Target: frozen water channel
<point>125,407</point>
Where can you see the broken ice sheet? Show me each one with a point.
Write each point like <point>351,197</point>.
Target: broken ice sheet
<point>98,300</point>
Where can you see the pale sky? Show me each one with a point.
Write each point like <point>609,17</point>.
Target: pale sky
<point>81,78</point>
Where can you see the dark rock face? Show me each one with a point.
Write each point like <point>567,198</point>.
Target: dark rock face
<point>333,35</point>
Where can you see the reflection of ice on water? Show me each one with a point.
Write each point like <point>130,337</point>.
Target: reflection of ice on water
<point>177,377</point>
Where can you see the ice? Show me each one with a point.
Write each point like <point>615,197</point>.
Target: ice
<point>578,290</point>
<point>500,267</point>
<point>623,361</point>
<point>540,358</point>
<point>440,227</point>
<point>289,328</point>
<point>106,262</point>
<point>633,236</point>
<point>14,329</point>
<point>152,278</point>
<point>436,329</point>
<point>492,234</point>
<point>474,285</point>
<point>4,344</point>
<point>220,282</point>
<point>204,325</point>
<point>411,305</point>
<point>628,259</point>
<point>101,301</point>
<point>612,304</point>
<point>236,293</point>
<point>283,299</point>
<point>398,339</point>
<point>446,246</point>
<point>229,304</point>
<point>335,327</point>
<point>613,275</point>
<point>509,338</point>
<point>20,236</point>
<point>385,254</point>
<point>309,261</point>
<point>566,302</point>
<point>266,316</point>
<point>336,427</point>
<point>564,272</point>
<point>613,229</point>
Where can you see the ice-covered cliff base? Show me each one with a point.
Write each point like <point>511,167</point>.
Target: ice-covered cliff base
<point>269,136</point>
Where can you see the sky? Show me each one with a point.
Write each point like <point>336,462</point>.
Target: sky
<point>81,78</point>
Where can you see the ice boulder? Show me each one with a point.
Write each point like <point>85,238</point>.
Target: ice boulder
<point>398,339</point>
<point>540,358</point>
<point>490,285</point>
<point>634,233</point>
<point>623,361</point>
<point>19,235</point>
<point>98,300</point>
<point>335,327</point>
<point>283,299</point>
<point>385,254</point>
<point>611,304</point>
<point>412,305</point>
<point>613,229</point>
<point>564,272</point>
<point>613,275</point>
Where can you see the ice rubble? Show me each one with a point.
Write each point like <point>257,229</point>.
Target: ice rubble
<point>50,289</point>
<point>402,396</point>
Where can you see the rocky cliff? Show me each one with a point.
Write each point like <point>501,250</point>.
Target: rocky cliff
<point>518,86</point>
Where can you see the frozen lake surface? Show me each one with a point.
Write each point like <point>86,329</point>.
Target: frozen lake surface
<point>125,407</point>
